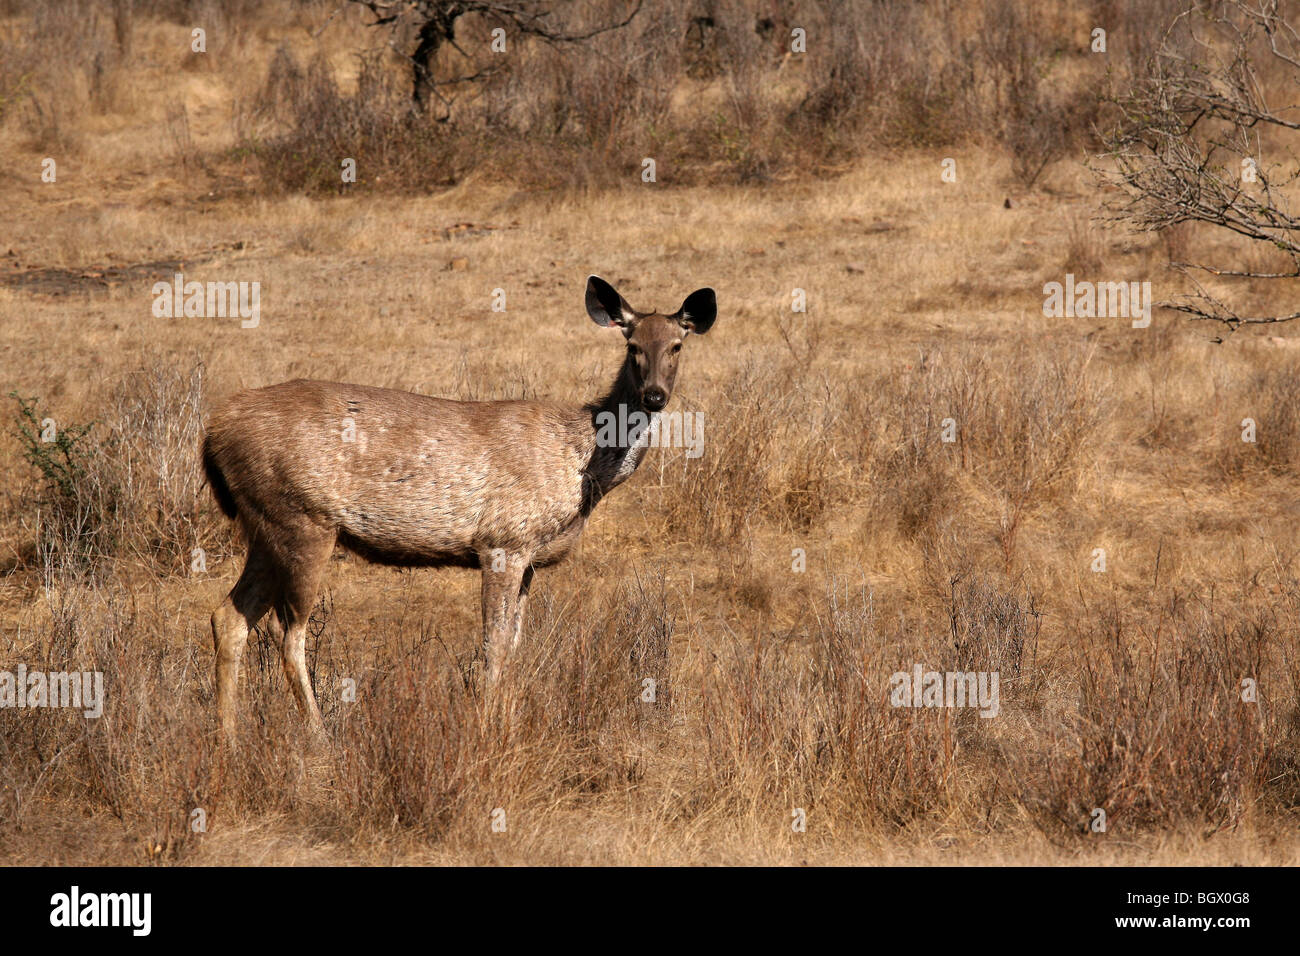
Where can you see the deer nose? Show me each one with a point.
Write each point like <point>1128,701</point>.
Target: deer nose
<point>654,399</point>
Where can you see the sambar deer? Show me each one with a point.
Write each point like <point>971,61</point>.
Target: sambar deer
<point>405,479</point>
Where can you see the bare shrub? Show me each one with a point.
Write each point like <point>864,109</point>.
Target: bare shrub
<point>603,92</point>
<point>1187,147</point>
<point>582,113</point>
<point>1155,732</point>
<point>125,486</point>
<point>808,472</point>
<point>993,629</point>
<point>1084,249</point>
<point>787,444</point>
<point>68,59</point>
<point>178,131</point>
<point>771,450</point>
<point>904,454</point>
<point>144,760</point>
<point>425,751</point>
<point>1037,123</point>
<point>812,726</point>
<point>157,425</point>
<point>1032,430</point>
<point>1161,736</point>
<point>744,135</point>
<point>301,126</point>
<point>1270,399</point>
<point>1021,428</point>
<point>723,490</point>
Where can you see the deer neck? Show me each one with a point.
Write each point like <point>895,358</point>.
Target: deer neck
<point>621,429</point>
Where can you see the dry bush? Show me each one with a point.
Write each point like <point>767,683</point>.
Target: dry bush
<point>426,751</point>
<point>809,469</point>
<point>1157,736</point>
<point>993,628</point>
<point>1023,425</point>
<point>301,127</point>
<point>551,114</point>
<point>1271,398</point>
<point>1085,251</point>
<point>722,491</point>
<point>1026,429</point>
<point>70,523</point>
<point>1161,419</point>
<point>150,760</point>
<point>144,761</point>
<point>69,58</point>
<point>604,95</point>
<point>812,725</point>
<point>745,133</point>
<point>15,64</point>
<point>1036,122</point>
<point>156,418</point>
<point>181,137</point>
<point>771,449</point>
<point>787,443</point>
<point>125,485</point>
<point>1161,736</point>
<point>712,94</point>
<point>421,750</point>
<point>1029,424</point>
<point>903,456</point>
<point>890,73</point>
<point>1135,29</point>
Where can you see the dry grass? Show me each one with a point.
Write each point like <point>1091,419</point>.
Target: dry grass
<point>824,437</point>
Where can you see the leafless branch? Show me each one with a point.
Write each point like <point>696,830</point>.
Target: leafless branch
<point>435,23</point>
<point>1190,138</point>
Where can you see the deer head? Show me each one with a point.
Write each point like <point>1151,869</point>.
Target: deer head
<point>654,340</point>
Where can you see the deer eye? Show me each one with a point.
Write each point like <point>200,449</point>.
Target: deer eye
<point>677,347</point>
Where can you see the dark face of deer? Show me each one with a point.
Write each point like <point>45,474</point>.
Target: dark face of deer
<point>654,340</point>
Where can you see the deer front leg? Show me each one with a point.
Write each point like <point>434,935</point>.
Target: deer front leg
<point>503,586</point>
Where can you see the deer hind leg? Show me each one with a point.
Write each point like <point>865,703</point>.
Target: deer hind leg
<point>305,561</point>
<point>517,619</point>
<point>247,602</point>
<point>503,592</point>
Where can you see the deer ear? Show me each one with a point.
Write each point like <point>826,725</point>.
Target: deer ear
<point>698,311</point>
<point>605,306</point>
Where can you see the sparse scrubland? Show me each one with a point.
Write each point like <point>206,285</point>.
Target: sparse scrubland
<point>1097,533</point>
